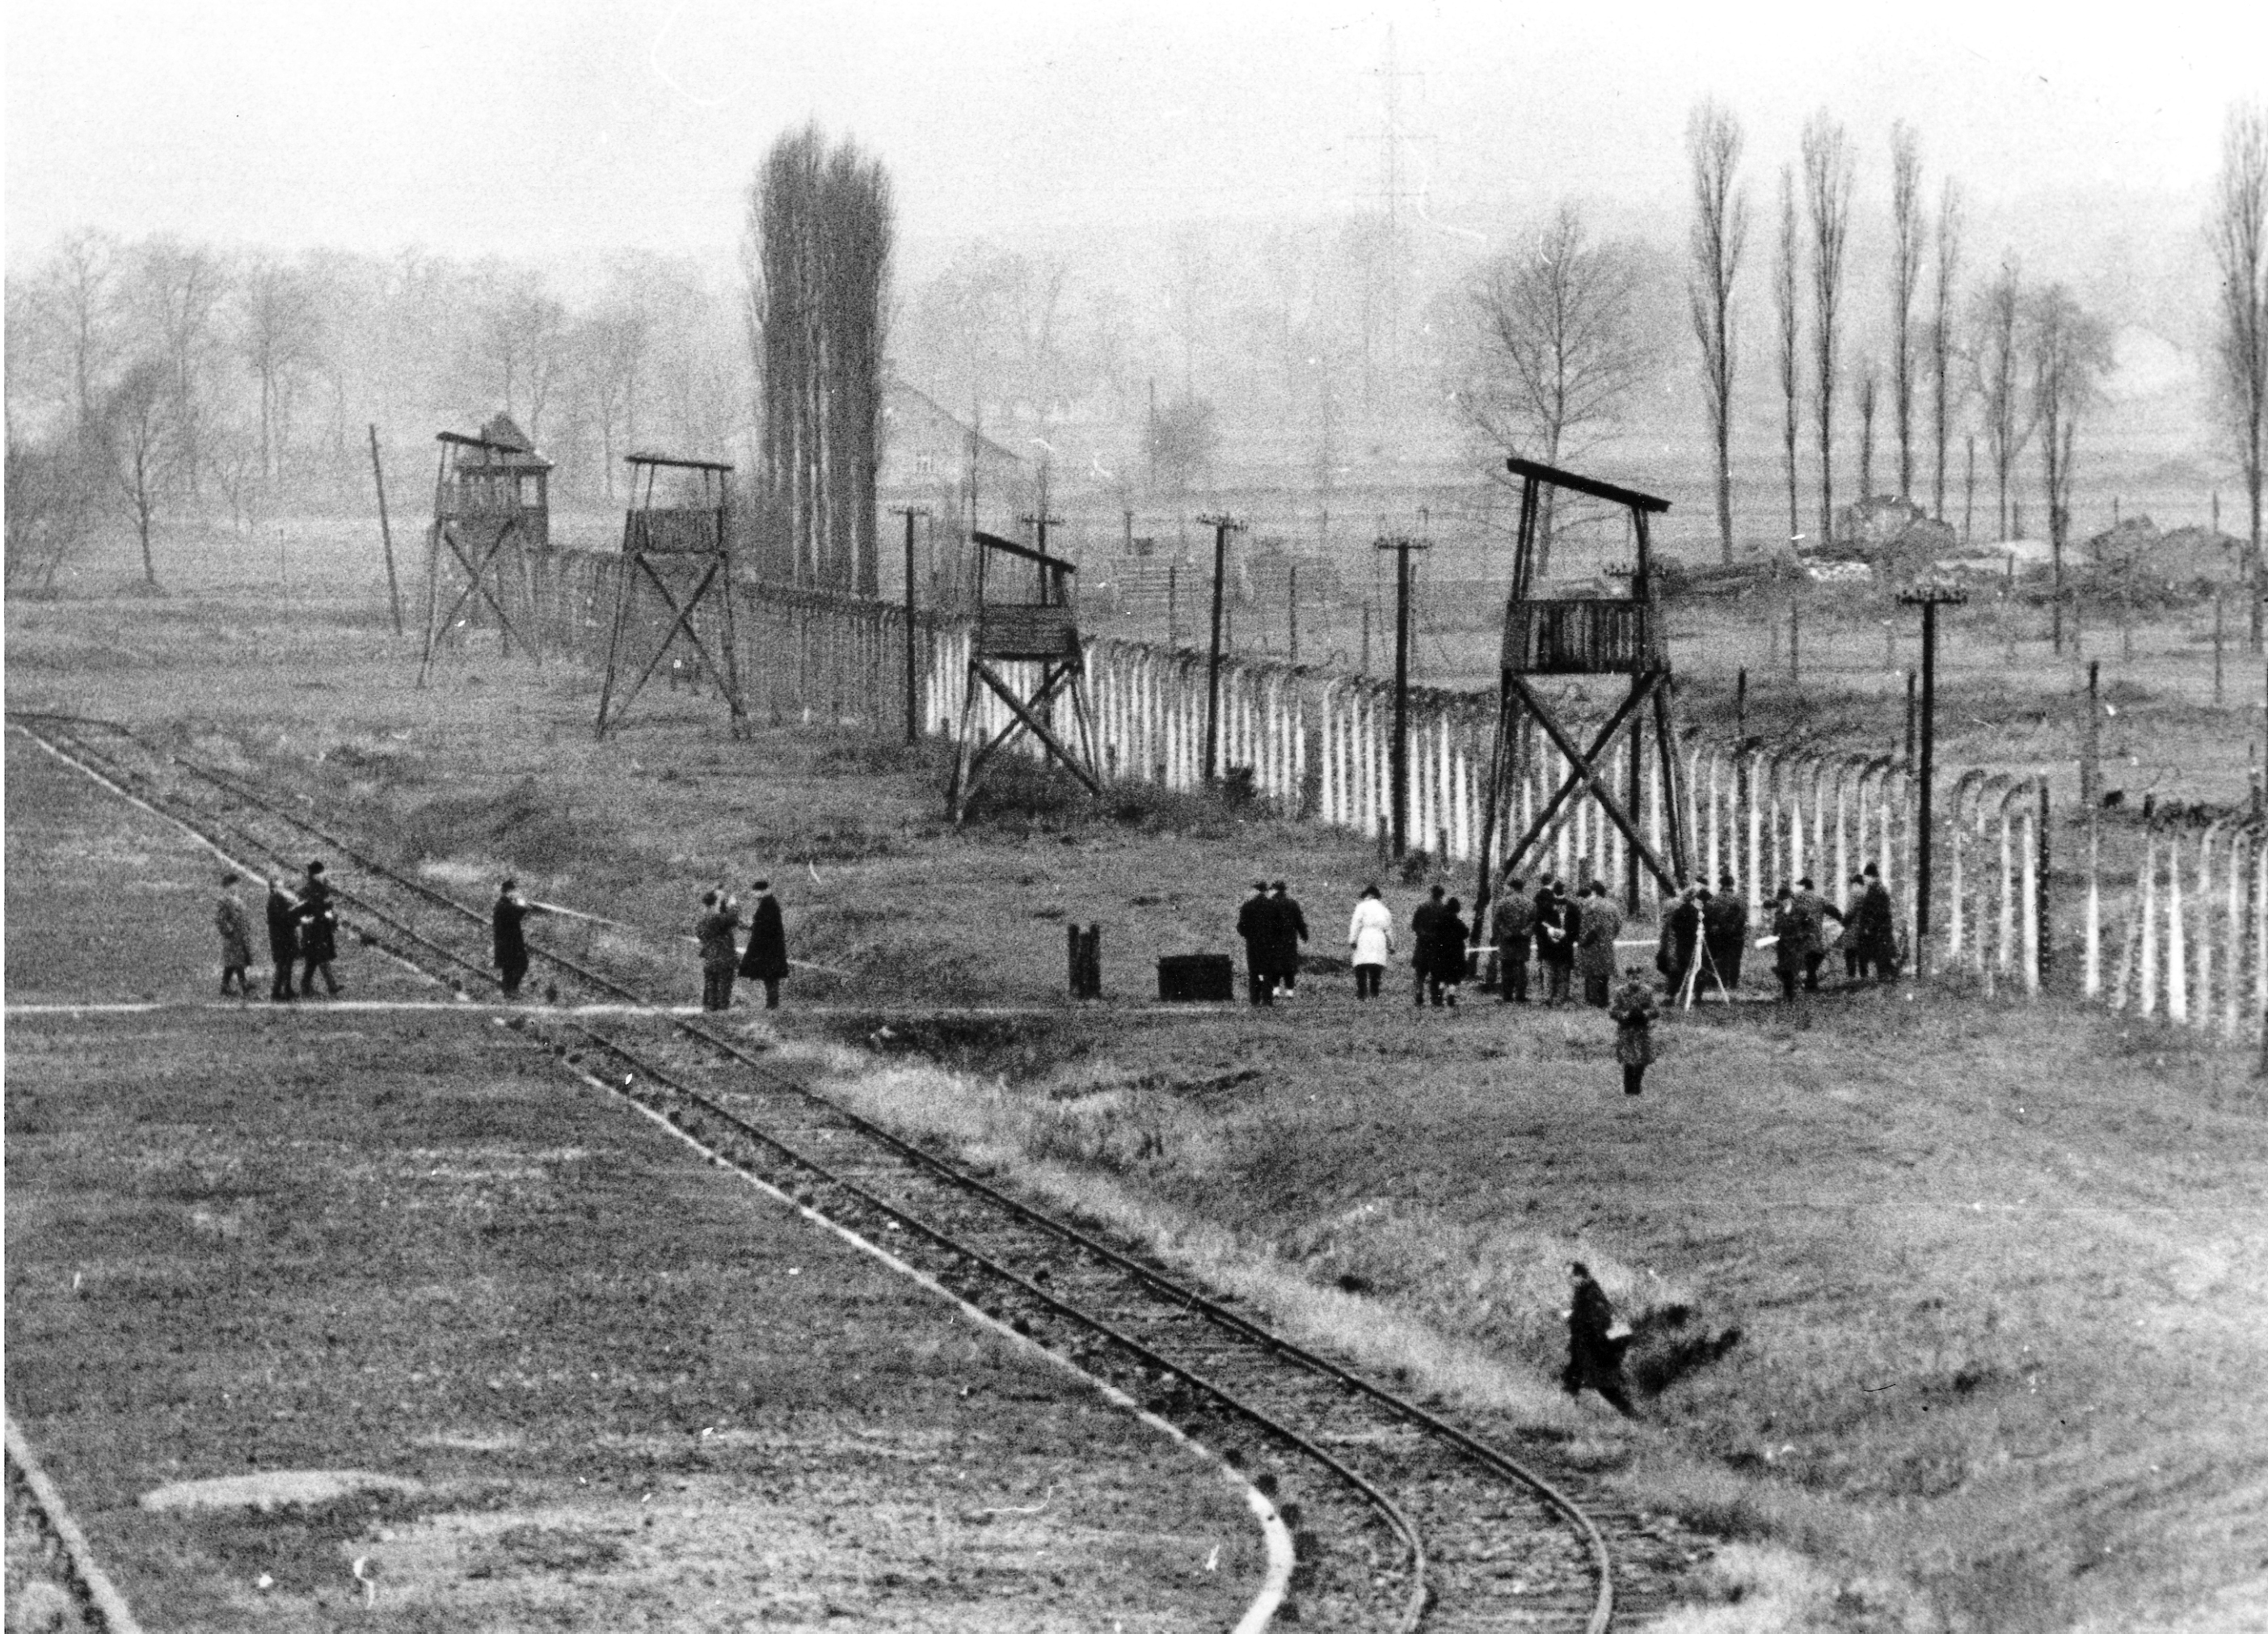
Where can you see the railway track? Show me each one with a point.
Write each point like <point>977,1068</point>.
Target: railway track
<point>1401,1519</point>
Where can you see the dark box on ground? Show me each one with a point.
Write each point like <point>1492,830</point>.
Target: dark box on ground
<point>1196,979</point>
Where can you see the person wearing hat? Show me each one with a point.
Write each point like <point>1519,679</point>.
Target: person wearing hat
<point>1595,1339</point>
<point>1598,922</point>
<point>766,959</point>
<point>1290,925</point>
<point>319,932</point>
<point>1873,928</point>
<point>1788,949</point>
<point>1725,931</point>
<point>1555,925</point>
<point>506,925</point>
<point>1255,923</point>
<point>235,929</point>
<point>1370,938</point>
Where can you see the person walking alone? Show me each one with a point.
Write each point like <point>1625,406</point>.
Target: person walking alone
<point>283,939</point>
<point>1255,923</point>
<point>1595,1342</point>
<point>507,922</point>
<point>318,933</point>
<point>720,918</point>
<point>1634,1011</point>
<point>766,959</point>
<point>235,929</point>
<point>1511,922</point>
<point>1370,933</point>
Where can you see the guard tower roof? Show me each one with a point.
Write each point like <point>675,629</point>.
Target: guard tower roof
<point>674,462</point>
<point>1591,485</point>
<point>994,542</point>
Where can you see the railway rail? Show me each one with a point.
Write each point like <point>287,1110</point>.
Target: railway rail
<point>1402,1520</point>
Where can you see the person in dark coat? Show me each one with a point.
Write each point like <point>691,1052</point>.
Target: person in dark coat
<point>1511,925</point>
<point>1256,922</point>
<point>1555,939</point>
<point>1445,968</point>
<point>235,929</point>
<point>1680,936</point>
<point>1815,909</point>
<point>319,932</point>
<point>766,959</point>
<point>1423,919</point>
<point>507,918</point>
<point>720,952</point>
<point>1788,948</point>
<point>1725,931</point>
<point>282,938</point>
<point>1291,928</point>
<point>1633,1011</point>
<point>1873,927</point>
<point>1596,1340</point>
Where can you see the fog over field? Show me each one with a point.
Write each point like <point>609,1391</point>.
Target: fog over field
<point>1270,221</point>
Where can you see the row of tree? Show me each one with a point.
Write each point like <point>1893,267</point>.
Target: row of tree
<point>161,376</point>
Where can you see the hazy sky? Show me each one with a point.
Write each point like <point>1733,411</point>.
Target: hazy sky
<point>567,129</point>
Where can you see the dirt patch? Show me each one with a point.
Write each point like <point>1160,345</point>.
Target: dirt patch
<point>269,1490</point>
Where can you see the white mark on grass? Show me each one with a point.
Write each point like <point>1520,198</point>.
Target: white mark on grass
<point>263,1582</point>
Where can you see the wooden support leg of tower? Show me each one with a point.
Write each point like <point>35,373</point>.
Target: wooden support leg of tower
<point>731,676</point>
<point>957,792</point>
<point>1028,713</point>
<point>625,587</point>
<point>683,621</point>
<point>432,599</point>
<point>1673,795</point>
<point>1499,764</point>
<point>1637,795</point>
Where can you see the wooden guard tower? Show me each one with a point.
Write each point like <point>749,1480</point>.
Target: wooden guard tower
<point>686,543</point>
<point>1590,635</point>
<point>491,508</point>
<point>1042,632</point>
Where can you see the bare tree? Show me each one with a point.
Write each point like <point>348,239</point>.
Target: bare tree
<point>77,290</point>
<point>1999,329</point>
<point>1719,233</point>
<point>1865,393</point>
<point>519,345</point>
<point>142,448</point>
<point>179,289</point>
<point>1561,344</point>
<point>2239,231</point>
<point>1827,175</point>
<point>279,333</point>
<point>1784,307</point>
<point>2070,353</point>
<point>1905,278</point>
<point>1941,347</point>
<point>51,498</point>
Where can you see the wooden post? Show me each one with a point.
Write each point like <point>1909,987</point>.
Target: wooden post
<point>385,533</point>
<point>1794,642</point>
<point>1929,598</point>
<point>1401,545</point>
<point>2090,748</point>
<point>1173,607</point>
<point>2040,916</point>
<point>2219,640</point>
<point>1222,525</point>
<point>1292,614</point>
<point>913,707</point>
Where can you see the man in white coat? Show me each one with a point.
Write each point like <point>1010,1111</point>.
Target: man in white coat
<point>1371,935</point>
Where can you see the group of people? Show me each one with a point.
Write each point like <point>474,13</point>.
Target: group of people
<point>303,936</point>
<point>723,958</point>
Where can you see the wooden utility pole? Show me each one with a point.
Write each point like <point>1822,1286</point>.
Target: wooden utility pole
<point>2219,638</point>
<point>1400,545</point>
<point>386,532</point>
<point>2090,747</point>
<point>1222,525</point>
<point>1291,618</point>
<point>913,705</point>
<point>1929,596</point>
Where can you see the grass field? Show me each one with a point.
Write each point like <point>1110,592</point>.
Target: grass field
<point>622,1390</point>
<point>1997,1271</point>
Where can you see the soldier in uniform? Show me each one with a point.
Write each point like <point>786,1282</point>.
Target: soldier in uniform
<point>1597,924</point>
